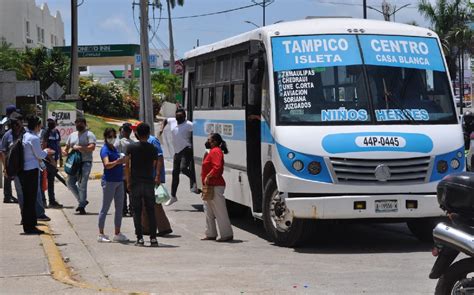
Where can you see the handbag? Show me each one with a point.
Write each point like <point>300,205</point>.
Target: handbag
<point>207,193</point>
<point>161,194</point>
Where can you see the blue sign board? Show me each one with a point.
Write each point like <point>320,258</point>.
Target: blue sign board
<point>402,51</point>
<point>302,52</point>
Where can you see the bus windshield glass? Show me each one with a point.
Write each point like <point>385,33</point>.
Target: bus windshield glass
<point>365,79</point>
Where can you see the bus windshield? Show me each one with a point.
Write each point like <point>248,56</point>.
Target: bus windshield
<point>367,79</point>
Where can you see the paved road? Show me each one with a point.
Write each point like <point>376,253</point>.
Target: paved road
<point>345,259</point>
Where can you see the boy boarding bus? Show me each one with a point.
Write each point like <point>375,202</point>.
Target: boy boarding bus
<point>328,119</point>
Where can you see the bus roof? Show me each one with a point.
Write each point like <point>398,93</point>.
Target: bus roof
<point>315,26</point>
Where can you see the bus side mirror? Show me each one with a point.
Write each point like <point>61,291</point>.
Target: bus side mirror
<point>468,127</point>
<point>256,71</point>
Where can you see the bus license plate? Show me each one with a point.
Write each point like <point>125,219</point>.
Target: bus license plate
<point>380,141</point>
<point>386,206</point>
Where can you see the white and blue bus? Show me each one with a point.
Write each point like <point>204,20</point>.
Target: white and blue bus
<point>328,119</point>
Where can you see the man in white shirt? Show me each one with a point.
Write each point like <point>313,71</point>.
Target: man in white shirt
<point>182,136</point>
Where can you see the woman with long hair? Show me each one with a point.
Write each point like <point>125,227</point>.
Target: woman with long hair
<point>112,186</point>
<point>211,175</point>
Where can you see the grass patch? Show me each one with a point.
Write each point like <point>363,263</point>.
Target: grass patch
<point>98,125</point>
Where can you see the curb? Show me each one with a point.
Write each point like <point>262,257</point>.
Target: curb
<point>60,271</point>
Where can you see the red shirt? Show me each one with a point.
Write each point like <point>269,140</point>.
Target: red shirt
<point>213,163</point>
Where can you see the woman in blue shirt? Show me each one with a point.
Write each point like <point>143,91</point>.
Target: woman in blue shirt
<point>112,186</point>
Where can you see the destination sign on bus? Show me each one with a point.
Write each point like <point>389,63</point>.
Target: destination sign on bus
<point>302,52</point>
<point>402,51</point>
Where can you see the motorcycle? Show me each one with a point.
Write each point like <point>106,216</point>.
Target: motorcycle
<point>455,195</point>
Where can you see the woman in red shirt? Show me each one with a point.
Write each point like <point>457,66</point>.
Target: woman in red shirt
<point>211,175</point>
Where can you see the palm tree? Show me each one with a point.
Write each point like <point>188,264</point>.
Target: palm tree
<point>448,18</point>
<point>171,4</point>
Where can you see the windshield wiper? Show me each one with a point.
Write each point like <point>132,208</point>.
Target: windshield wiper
<point>388,97</point>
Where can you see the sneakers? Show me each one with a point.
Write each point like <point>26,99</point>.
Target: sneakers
<point>172,200</point>
<point>153,243</point>
<point>43,218</point>
<point>33,231</point>
<point>81,211</point>
<point>103,239</point>
<point>120,238</point>
<point>78,209</point>
<point>55,205</point>
<point>10,200</point>
<point>140,242</point>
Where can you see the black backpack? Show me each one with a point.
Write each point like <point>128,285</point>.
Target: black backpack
<point>15,157</point>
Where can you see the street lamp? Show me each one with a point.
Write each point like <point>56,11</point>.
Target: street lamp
<point>387,14</point>
<point>252,23</point>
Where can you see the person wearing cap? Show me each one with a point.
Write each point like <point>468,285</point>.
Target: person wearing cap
<point>84,141</point>
<point>7,181</point>
<point>51,139</point>
<point>121,146</point>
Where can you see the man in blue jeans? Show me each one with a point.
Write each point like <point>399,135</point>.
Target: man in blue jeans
<point>83,141</point>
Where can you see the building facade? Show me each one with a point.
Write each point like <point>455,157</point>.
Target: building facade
<point>24,24</point>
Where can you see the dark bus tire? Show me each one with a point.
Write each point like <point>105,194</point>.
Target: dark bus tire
<point>291,238</point>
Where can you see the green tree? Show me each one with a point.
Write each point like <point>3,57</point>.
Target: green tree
<point>171,4</point>
<point>41,64</point>
<point>449,20</point>
<point>165,86</point>
<point>11,59</point>
<point>131,87</point>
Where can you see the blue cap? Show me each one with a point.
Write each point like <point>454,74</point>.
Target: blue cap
<point>10,109</point>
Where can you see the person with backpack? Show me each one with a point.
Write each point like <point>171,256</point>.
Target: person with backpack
<point>82,141</point>
<point>52,139</point>
<point>7,181</point>
<point>11,149</point>
<point>33,156</point>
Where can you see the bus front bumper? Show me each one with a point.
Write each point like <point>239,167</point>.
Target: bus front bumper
<point>364,206</point>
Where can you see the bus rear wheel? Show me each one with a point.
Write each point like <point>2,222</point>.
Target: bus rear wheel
<point>281,227</point>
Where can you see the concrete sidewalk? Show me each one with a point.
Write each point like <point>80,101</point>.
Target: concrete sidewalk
<point>24,264</point>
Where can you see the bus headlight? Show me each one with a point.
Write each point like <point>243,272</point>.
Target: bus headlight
<point>291,155</point>
<point>455,164</point>
<point>314,168</point>
<point>442,166</point>
<point>298,165</point>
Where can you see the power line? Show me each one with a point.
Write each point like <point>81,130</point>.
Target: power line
<point>351,4</point>
<point>212,13</point>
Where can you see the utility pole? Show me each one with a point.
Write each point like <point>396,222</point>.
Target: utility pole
<point>365,8</point>
<point>264,4</point>
<point>74,71</point>
<point>146,104</point>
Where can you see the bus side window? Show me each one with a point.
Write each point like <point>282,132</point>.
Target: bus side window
<point>211,98</point>
<point>205,98</point>
<point>237,90</point>
<point>218,99</point>
<point>226,98</point>
<point>198,98</point>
